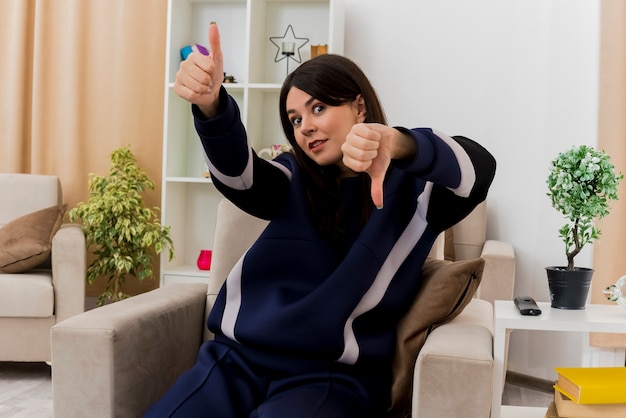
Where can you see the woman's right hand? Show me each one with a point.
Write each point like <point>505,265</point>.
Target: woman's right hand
<point>199,77</point>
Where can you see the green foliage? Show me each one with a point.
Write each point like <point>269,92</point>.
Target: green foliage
<point>121,231</point>
<point>581,184</point>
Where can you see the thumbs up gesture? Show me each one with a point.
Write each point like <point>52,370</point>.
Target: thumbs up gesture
<point>370,147</point>
<point>199,77</point>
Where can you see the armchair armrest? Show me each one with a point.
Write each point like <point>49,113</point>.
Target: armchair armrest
<point>115,361</point>
<point>498,279</point>
<point>69,266</point>
<point>456,356</point>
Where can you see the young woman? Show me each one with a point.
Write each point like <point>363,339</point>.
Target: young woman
<point>353,211</point>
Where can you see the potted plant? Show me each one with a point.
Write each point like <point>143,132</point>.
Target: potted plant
<point>123,234</point>
<point>581,184</point>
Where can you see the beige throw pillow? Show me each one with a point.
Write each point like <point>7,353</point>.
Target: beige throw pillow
<point>447,287</point>
<point>26,241</point>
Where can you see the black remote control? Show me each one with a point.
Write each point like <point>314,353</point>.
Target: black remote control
<point>527,306</point>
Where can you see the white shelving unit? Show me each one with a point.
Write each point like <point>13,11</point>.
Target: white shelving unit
<point>189,201</point>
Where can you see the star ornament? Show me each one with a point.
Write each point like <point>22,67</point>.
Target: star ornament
<point>284,41</point>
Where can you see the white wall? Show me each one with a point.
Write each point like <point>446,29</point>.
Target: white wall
<point>520,77</point>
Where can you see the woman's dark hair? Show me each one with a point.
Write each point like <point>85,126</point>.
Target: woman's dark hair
<point>334,80</point>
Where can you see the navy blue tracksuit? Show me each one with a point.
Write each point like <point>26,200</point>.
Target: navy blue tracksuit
<point>300,330</point>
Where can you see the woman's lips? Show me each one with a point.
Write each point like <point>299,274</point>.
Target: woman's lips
<point>316,145</point>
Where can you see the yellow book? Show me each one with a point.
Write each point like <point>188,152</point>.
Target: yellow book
<point>568,408</point>
<point>592,385</point>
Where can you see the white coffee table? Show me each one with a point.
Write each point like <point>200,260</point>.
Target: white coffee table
<point>594,318</point>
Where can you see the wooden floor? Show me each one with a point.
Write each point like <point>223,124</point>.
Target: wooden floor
<point>26,392</point>
<point>514,394</point>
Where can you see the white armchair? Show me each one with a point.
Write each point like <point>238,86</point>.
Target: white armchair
<point>33,299</point>
<point>115,361</point>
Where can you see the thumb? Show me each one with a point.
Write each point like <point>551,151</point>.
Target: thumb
<point>214,42</point>
<point>377,189</point>
<point>378,169</point>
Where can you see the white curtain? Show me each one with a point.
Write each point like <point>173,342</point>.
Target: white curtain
<point>609,258</point>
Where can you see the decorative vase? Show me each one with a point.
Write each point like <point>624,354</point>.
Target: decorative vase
<point>204,259</point>
<point>617,292</point>
<point>569,289</point>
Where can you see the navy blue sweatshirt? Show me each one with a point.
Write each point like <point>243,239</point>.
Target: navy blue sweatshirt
<point>290,293</point>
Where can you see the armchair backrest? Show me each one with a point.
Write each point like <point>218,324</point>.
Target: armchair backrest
<point>235,232</point>
<point>469,235</point>
<point>26,193</point>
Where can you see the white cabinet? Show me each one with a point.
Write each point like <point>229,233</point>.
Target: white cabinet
<point>189,201</point>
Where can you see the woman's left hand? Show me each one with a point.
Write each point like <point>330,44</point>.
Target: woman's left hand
<point>368,148</point>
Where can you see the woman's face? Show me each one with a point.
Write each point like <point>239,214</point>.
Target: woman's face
<point>321,129</point>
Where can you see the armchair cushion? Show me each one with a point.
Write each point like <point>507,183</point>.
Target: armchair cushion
<point>447,287</point>
<point>26,241</point>
<point>27,295</point>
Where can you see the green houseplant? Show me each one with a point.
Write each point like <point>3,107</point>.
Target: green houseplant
<point>121,231</point>
<point>581,184</point>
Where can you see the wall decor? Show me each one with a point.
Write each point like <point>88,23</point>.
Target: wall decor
<point>288,46</point>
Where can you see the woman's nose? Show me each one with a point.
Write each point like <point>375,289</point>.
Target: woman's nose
<point>308,126</point>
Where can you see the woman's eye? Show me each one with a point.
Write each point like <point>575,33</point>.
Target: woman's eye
<point>296,121</point>
<point>318,108</point>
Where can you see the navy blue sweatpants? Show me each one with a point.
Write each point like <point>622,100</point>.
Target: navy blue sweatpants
<point>225,384</point>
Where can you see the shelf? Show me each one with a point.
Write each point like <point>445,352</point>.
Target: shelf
<point>189,201</point>
<point>185,274</point>
<point>231,87</point>
<point>266,87</point>
<point>190,212</point>
<point>271,19</point>
<point>270,87</point>
<point>188,180</point>
<point>220,1</point>
<point>297,1</point>
<point>187,270</point>
<point>189,21</point>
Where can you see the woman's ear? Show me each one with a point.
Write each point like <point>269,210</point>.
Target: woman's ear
<point>360,108</point>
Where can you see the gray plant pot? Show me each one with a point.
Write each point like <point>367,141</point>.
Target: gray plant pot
<point>569,289</point>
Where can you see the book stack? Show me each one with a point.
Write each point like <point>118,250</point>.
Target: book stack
<point>589,392</point>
